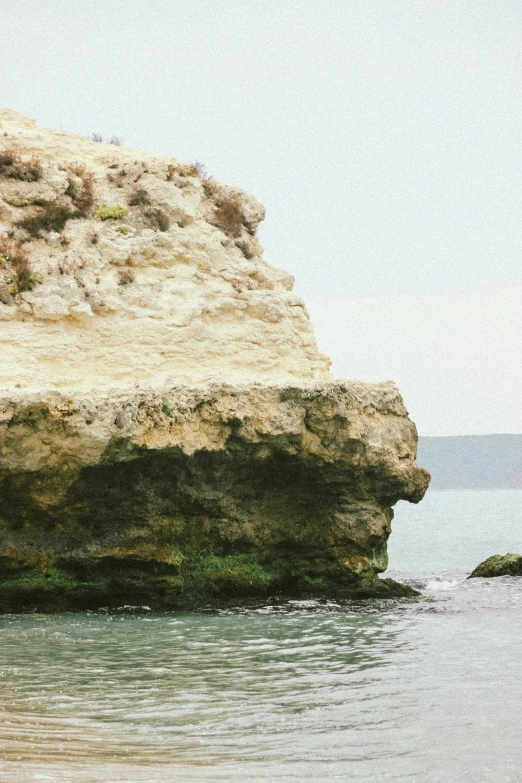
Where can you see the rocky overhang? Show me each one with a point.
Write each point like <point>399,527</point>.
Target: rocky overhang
<point>189,496</point>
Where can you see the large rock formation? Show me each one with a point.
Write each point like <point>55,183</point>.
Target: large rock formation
<point>169,433</point>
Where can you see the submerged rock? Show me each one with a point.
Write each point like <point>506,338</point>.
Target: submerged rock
<point>499,565</point>
<point>169,433</point>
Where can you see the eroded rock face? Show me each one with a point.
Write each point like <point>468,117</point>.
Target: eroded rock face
<point>182,495</point>
<point>169,433</point>
<point>176,288</point>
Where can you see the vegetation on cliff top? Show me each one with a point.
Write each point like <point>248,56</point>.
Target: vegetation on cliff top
<point>12,166</point>
<point>16,274</point>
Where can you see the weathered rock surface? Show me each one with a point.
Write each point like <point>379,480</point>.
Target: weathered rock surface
<point>121,300</point>
<point>499,565</point>
<point>169,433</point>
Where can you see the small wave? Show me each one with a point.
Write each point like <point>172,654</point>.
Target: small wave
<point>437,583</point>
<point>432,582</point>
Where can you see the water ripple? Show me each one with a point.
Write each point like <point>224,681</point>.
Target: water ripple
<point>307,691</point>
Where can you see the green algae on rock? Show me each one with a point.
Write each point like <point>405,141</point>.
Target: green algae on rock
<point>236,492</point>
<point>499,565</point>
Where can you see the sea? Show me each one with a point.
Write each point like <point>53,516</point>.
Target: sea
<point>425,690</point>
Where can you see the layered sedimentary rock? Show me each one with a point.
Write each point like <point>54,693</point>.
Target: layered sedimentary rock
<point>169,433</point>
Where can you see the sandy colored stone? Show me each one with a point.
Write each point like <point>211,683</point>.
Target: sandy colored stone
<point>197,309</point>
<point>169,432</point>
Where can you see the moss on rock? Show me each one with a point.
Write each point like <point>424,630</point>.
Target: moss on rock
<point>195,497</point>
<point>206,580</point>
<point>499,565</point>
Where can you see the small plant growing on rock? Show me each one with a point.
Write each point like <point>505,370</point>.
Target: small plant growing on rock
<point>191,170</point>
<point>210,187</point>
<point>14,258</point>
<point>13,167</point>
<point>50,217</point>
<point>139,197</point>
<point>166,408</point>
<point>158,219</point>
<point>81,193</point>
<point>199,170</point>
<point>123,229</point>
<point>108,212</point>
<point>187,170</point>
<point>125,277</point>
<point>229,215</point>
<point>176,557</point>
<point>5,295</point>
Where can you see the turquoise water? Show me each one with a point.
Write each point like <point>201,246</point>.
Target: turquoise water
<point>417,691</point>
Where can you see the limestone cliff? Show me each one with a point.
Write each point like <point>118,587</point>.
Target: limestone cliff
<point>169,433</point>
<point>172,287</point>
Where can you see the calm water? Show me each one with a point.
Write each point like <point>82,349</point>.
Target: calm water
<point>427,690</point>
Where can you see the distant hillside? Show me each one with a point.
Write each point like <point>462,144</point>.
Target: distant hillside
<point>472,461</point>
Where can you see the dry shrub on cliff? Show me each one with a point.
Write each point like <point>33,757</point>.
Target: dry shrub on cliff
<point>125,277</point>
<point>82,194</point>
<point>196,169</point>
<point>187,170</point>
<point>15,261</point>
<point>5,295</point>
<point>158,219</point>
<point>182,169</point>
<point>139,196</point>
<point>51,217</point>
<point>210,187</point>
<point>12,254</point>
<point>200,170</point>
<point>229,214</point>
<point>13,167</point>
<point>98,138</point>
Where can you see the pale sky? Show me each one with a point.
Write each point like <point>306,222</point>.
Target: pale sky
<point>455,357</point>
<point>383,136</point>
